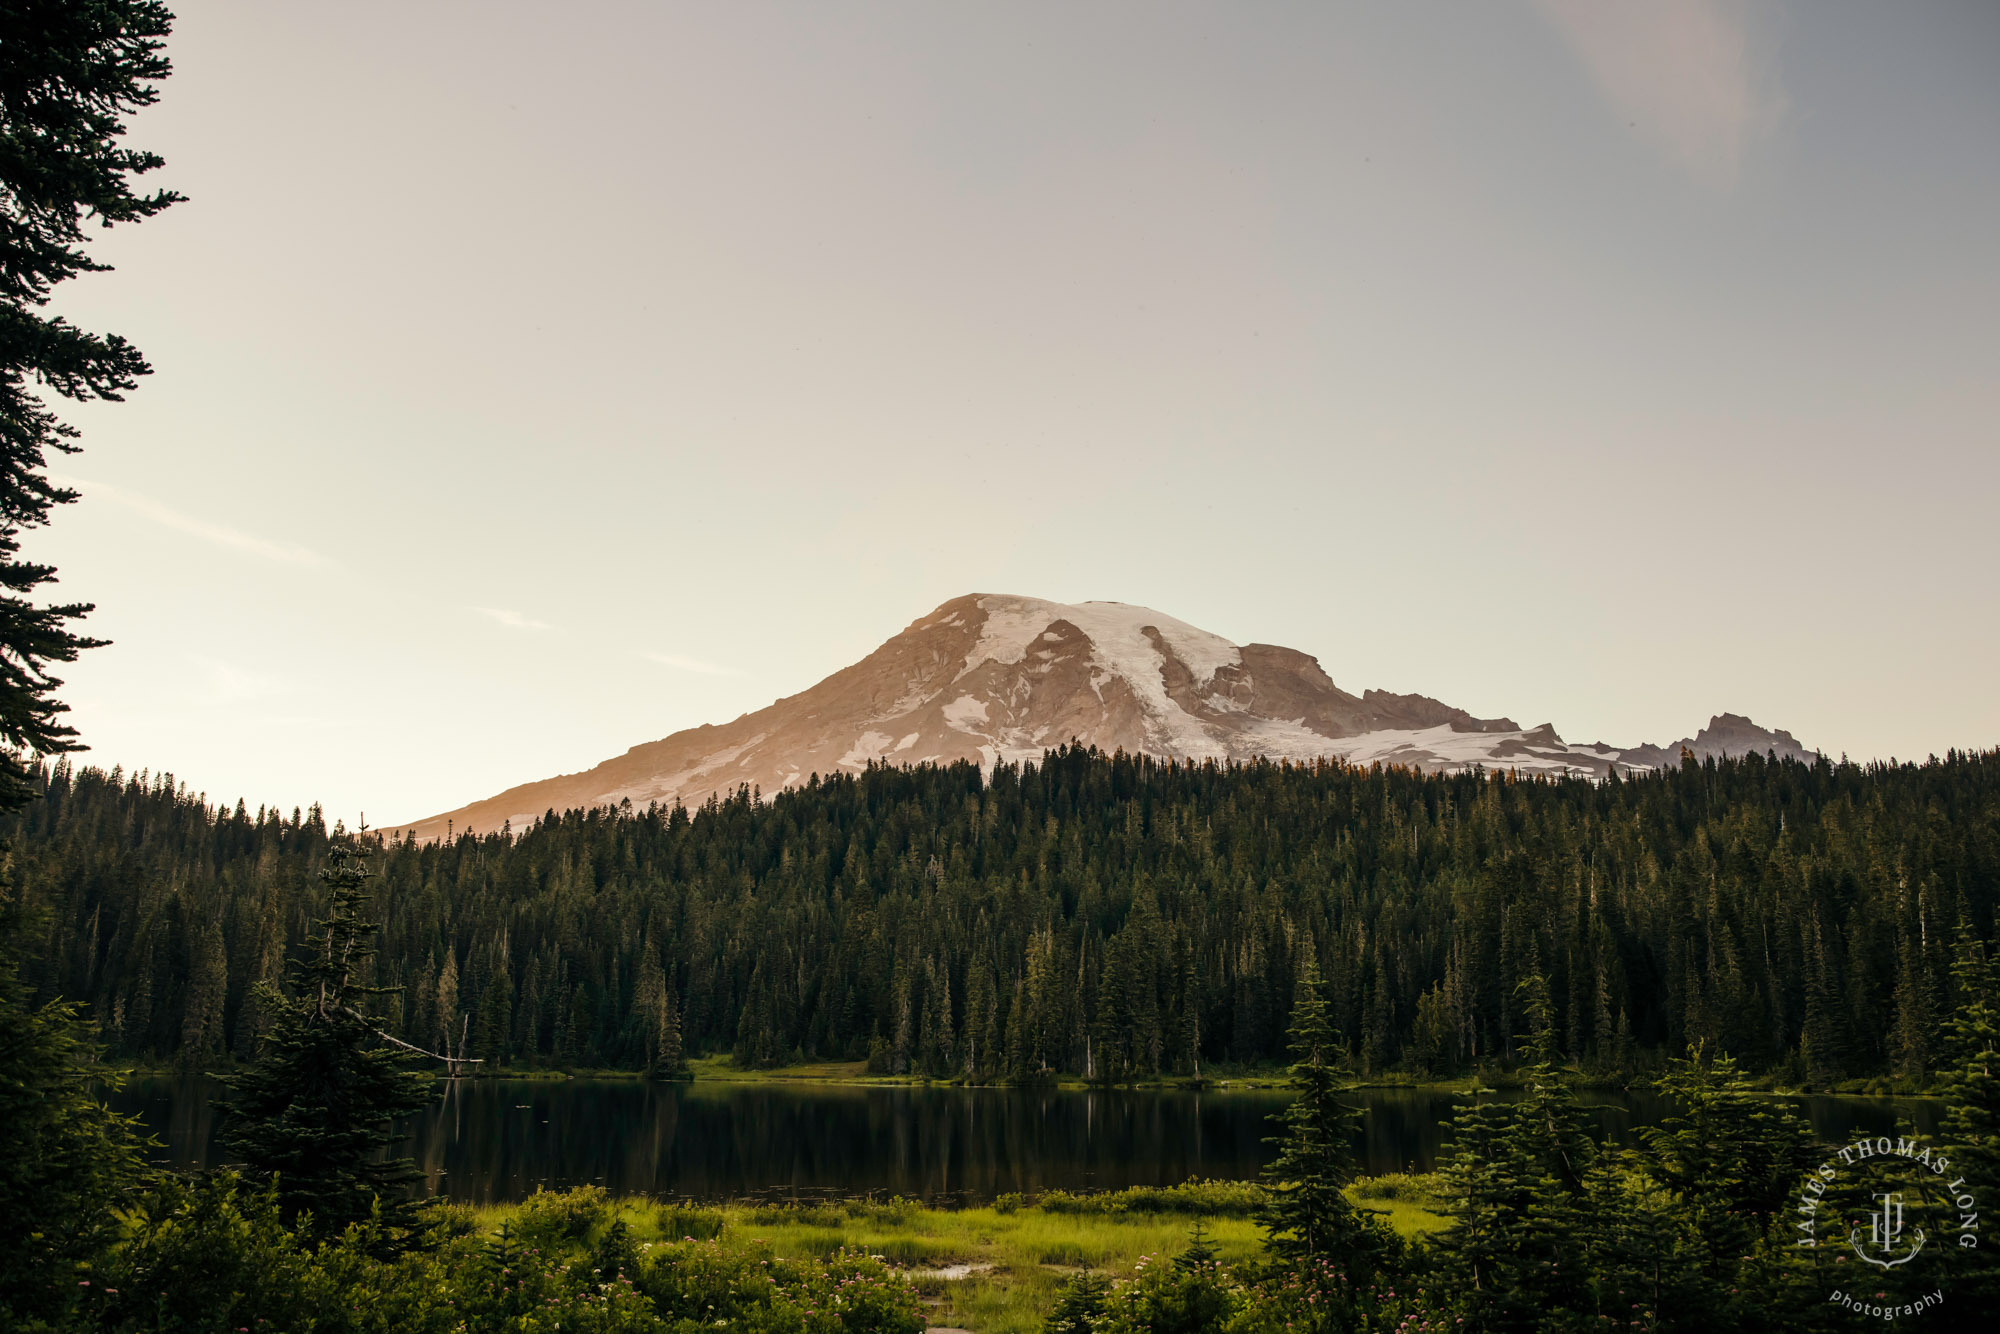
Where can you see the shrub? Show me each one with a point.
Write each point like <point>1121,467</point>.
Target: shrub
<point>208,1255</point>
<point>553,1218</point>
<point>1425,1189</point>
<point>1079,1302</point>
<point>700,1284</point>
<point>895,1210</point>
<point>1200,1297</point>
<point>616,1254</point>
<point>794,1214</point>
<point>1010,1202</point>
<point>1319,1294</point>
<point>1193,1198</point>
<point>915,1251</point>
<point>449,1221</point>
<point>864,1297</point>
<point>687,1222</point>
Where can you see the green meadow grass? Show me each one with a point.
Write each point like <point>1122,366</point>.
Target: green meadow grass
<point>992,1269</point>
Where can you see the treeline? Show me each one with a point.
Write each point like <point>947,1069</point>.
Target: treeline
<point>1103,915</point>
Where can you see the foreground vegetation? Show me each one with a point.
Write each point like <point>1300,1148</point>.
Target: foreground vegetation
<point>1530,1225</point>
<point>212,1254</point>
<point>995,1269</point>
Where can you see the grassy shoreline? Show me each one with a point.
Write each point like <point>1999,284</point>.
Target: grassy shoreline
<point>722,1069</point>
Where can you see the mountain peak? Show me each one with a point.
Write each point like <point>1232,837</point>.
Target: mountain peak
<point>991,677</point>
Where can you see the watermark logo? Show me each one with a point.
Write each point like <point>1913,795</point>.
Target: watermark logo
<point>1871,1200</point>
<point>1885,1229</point>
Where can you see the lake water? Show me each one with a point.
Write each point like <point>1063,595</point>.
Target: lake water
<point>496,1140</point>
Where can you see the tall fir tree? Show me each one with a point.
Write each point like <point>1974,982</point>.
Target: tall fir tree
<point>70,72</point>
<point>319,1103</point>
<point>1307,1213</point>
<point>1717,1175</point>
<point>1519,1186</point>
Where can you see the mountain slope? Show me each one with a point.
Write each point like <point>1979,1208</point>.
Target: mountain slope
<point>988,677</point>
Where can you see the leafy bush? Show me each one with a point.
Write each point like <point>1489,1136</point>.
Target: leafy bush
<point>449,1222</point>
<point>1425,1189</point>
<point>1320,1294</point>
<point>860,1295</point>
<point>696,1285</point>
<point>553,1218</point>
<point>208,1255</point>
<point>795,1214</point>
<point>1236,1199</point>
<point>616,1255</point>
<point>687,1222</point>
<point>916,1251</point>
<point>1009,1202</point>
<point>896,1210</point>
<point>1199,1297</point>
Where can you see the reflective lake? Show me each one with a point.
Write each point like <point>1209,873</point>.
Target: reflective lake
<point>494,1140</point>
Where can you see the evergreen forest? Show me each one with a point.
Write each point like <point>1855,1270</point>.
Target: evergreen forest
<point>1113,917</point>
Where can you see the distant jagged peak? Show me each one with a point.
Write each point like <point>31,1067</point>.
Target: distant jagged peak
<point>1728,735</point>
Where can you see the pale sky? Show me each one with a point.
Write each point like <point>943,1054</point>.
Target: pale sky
<point>537,380</point>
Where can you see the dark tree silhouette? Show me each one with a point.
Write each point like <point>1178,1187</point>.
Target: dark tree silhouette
<point>321,1098</point>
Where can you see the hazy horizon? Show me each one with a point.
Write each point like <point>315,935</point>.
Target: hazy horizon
<point>532,383</point>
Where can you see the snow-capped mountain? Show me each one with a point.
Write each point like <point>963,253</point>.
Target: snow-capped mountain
<point>988,677</point>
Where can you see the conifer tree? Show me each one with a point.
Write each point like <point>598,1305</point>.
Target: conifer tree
<point>1725,1163</point>
<point>66,1160</point>
<point>70,72</point>
<point>936,1041</point>
<point>670,1058</point>
<point>208,981</point>
<point>1307,1213</point>
<point>1079,1303</point>
<point>450,1023</point>
<point>1971,1086</point>
<point>491,1028</point>
<point>322,1097</point>
<point>1520,1196</point>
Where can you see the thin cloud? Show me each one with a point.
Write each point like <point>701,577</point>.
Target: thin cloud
<point>216,533</point>
<point>228,683</point>
<point>513,620</point>
<point>1682,74</point>
<point>685,664</point>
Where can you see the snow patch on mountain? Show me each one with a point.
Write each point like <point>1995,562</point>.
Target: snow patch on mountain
<point>869,747</point>
<point>966,714</point>
<point>1116,629</point>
